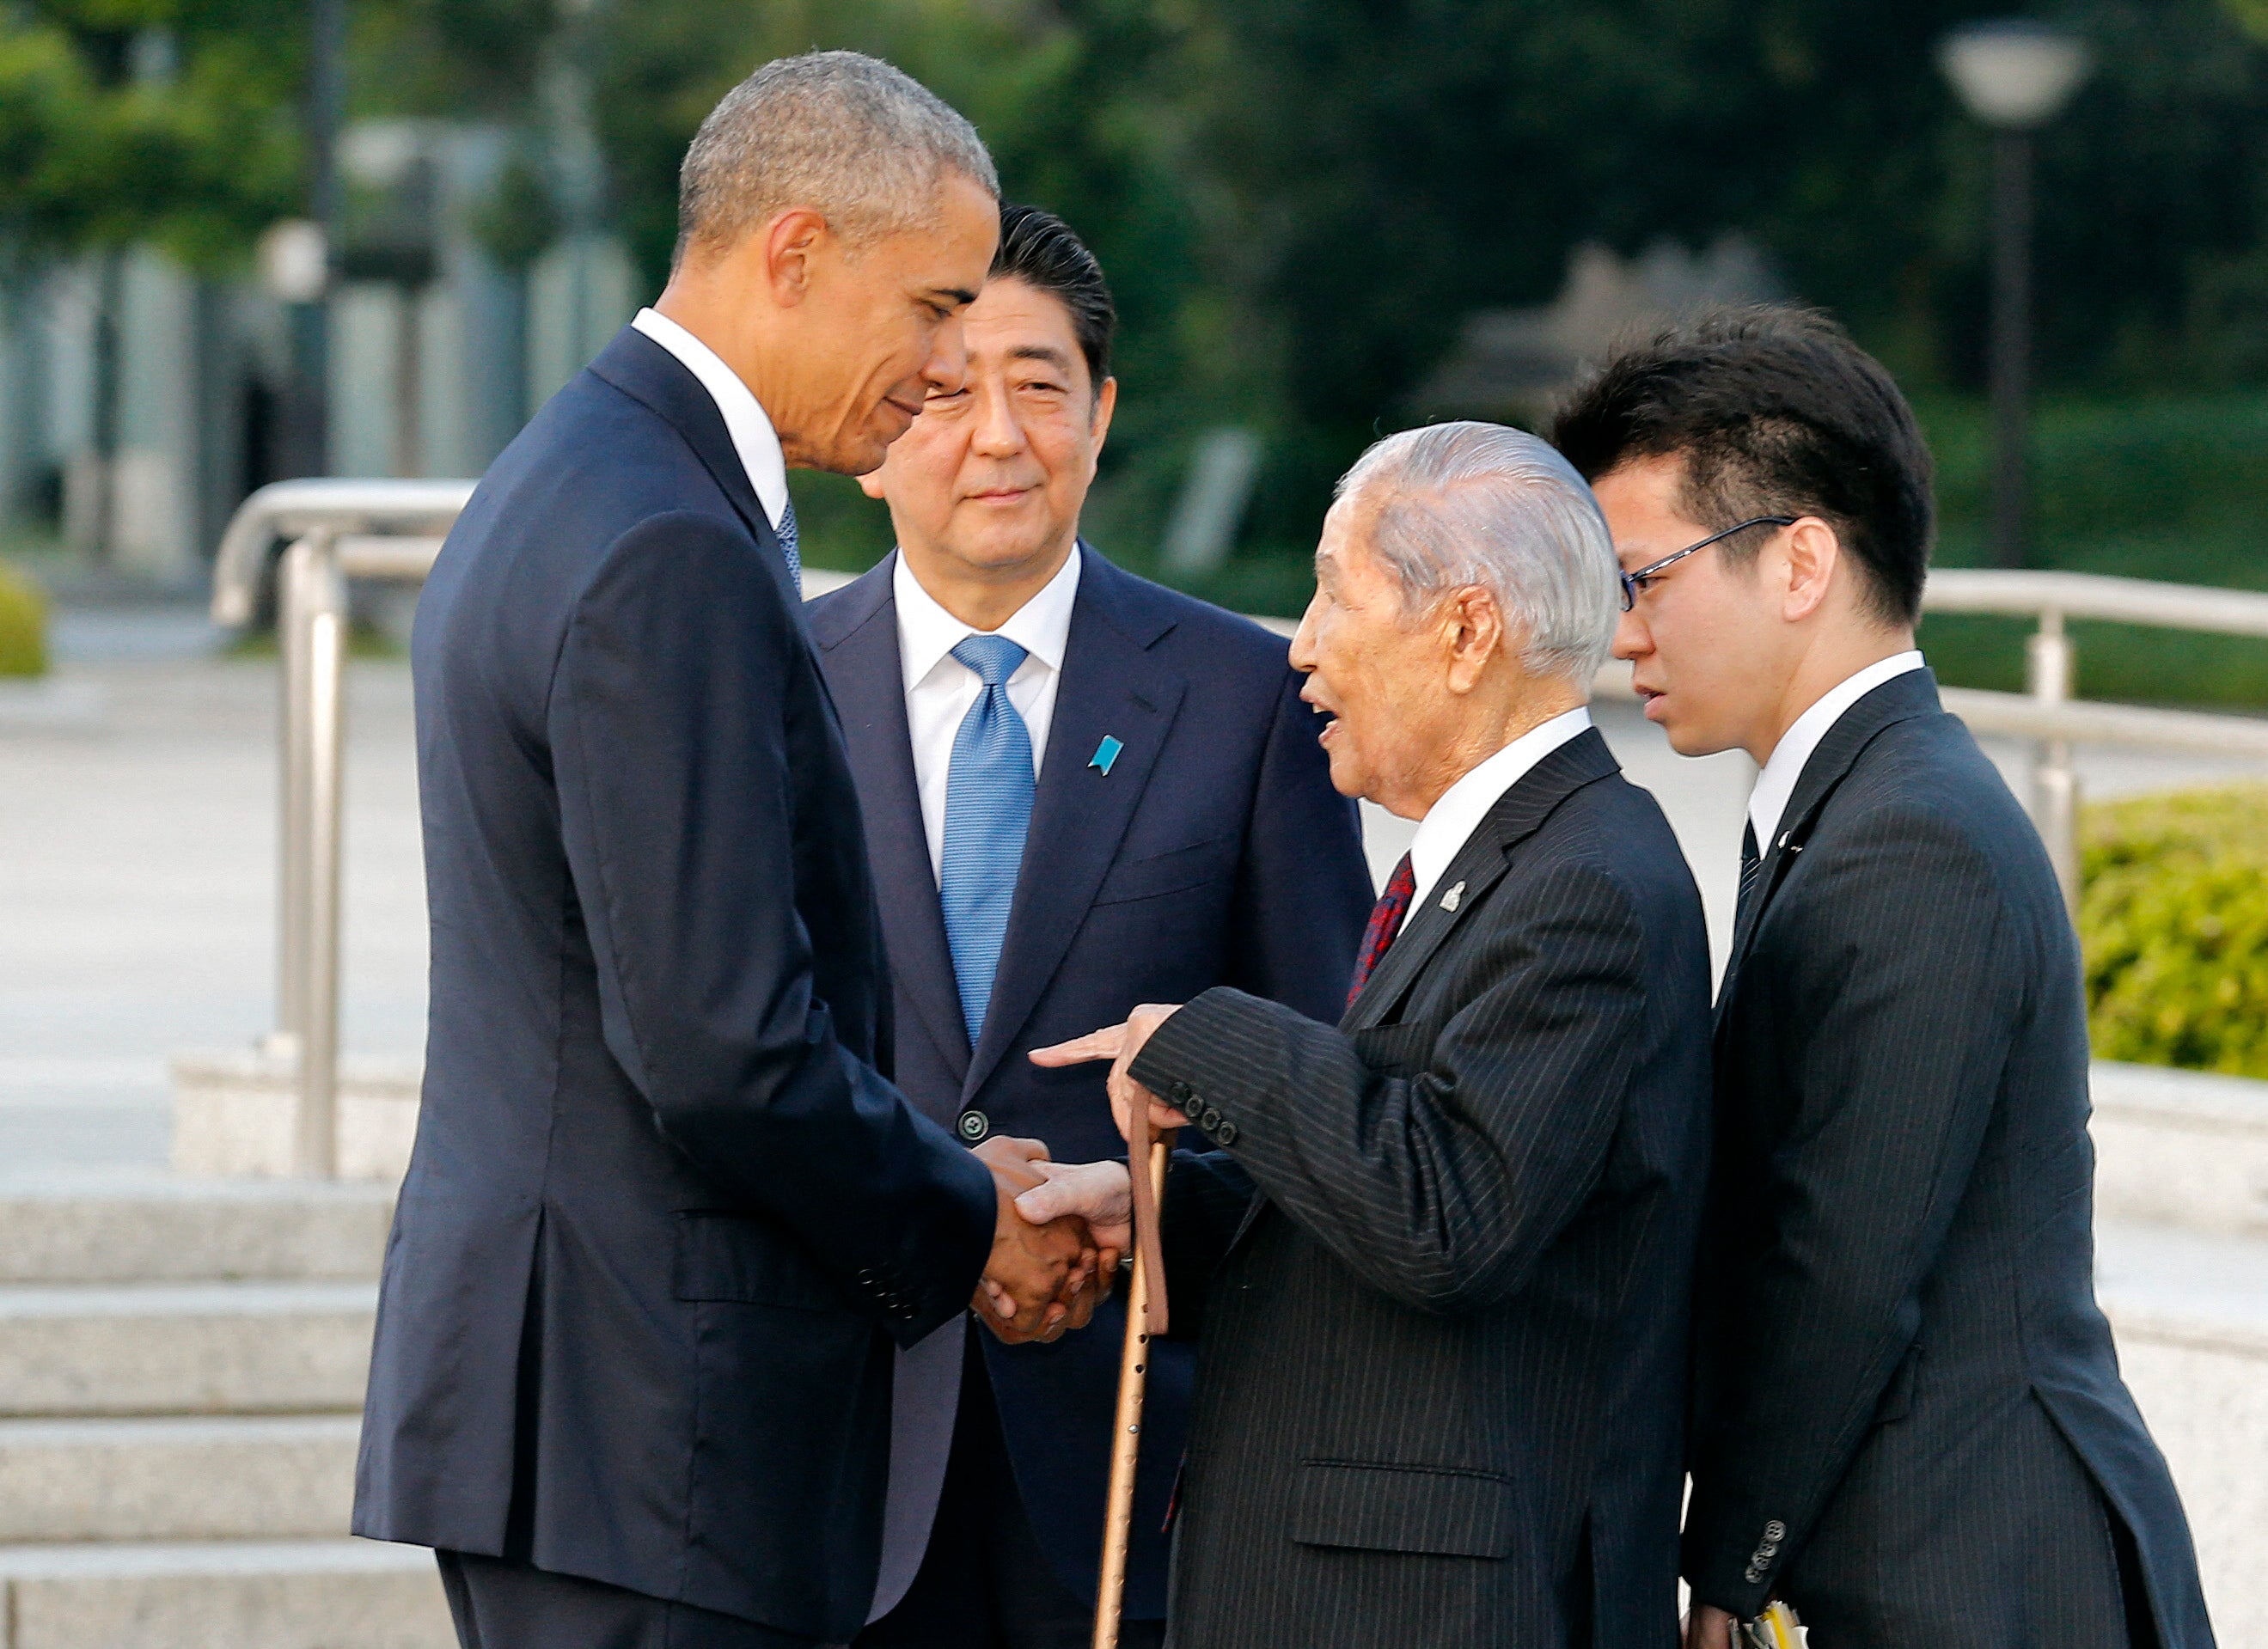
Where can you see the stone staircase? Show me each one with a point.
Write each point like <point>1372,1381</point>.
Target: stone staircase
<point>181,1362</point>
<point>181,1366</point>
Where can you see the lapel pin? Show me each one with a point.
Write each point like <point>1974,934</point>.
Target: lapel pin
<point>1454,897</point>
<point>1105,754</point>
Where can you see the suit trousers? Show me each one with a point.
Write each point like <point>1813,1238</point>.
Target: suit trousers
<point>984,1583</point>
<point>502,1605</point>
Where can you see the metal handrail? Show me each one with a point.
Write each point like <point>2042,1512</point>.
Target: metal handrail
<point>321,506</point>
<point>334,530</point>
<point>339,530</point>
<point>2089,595</point>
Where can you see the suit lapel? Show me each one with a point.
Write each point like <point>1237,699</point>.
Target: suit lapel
<point>858,638</point>
<point>1111,688</point>
<point>657,380</point>
<point>1479,865</point>
<point>1900,698</point>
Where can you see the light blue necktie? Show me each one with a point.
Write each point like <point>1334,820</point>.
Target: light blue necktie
<point>791,544</point>
<point>988,808</point>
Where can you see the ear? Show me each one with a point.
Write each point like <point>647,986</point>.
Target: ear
<point>1472,629</point>
<point>1106,402</point>
<point>786,245</point>
<point>1813,551</point>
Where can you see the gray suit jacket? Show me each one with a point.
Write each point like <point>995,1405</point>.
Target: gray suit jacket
<point>1910,1417</point>
<point>1442,1384</point>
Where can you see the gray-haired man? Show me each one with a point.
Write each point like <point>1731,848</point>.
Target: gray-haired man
<point>1438,1255</point>
<point>664,1216</point>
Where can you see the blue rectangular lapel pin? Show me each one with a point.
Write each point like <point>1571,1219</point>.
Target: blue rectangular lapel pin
<point>1105,754</point>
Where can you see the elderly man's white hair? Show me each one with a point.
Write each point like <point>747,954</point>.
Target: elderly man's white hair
<point>863,144</point>
<point>1458,505</point>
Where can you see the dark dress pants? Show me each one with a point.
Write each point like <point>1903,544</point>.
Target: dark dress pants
<point>501,1605</point>
<point>983,1582</point>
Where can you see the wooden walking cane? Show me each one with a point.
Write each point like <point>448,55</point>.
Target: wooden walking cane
<point>1145,1315</point>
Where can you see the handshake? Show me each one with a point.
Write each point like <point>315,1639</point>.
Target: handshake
<point>1062,1227</point>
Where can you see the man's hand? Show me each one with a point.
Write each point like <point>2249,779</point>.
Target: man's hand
<point>1042,1279</point>
<point>1099,1193</point>
<point>1119,1043</point>
<point>1708,1627</point>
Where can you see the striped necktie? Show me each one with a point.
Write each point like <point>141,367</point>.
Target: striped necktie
<point>988,810</point>
<point>1385,922</point>
<point>1752,866</point>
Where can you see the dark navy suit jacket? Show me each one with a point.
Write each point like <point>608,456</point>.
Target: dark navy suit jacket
<point>665,1216</point>
<point>1212,851</point>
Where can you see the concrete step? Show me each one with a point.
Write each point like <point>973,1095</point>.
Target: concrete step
<point>65,1226</point>
<point>286,1594</point>
<point>184,1348</point>
<point>2181,1148</point>
<point>2190,1310</point>
<point>176,1479</point>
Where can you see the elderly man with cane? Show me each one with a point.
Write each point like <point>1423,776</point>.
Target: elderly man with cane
<point>1437,1256</point>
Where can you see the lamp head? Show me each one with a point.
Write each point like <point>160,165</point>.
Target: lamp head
<point>2013,74</point>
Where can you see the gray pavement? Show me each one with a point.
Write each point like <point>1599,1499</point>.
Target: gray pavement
<point>137,865</point>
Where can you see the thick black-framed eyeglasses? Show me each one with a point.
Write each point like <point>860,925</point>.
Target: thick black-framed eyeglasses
<point>1634,581</point>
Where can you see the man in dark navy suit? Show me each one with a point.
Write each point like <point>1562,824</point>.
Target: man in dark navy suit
<point>1082,792</point>
<point>665,1215</point>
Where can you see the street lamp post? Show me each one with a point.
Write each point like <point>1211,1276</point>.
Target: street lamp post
<point>2014,75</point>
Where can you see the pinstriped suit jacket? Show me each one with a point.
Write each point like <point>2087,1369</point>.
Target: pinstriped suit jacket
<point>1443,1374</point>
<point>1909,1415</point>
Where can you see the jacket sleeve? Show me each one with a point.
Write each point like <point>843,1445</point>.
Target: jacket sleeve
<point>1891,994</point>
<point>669,740</point>
<point>1303,890</point>
<point>1440,1189</point>
<point>1207,1197</point>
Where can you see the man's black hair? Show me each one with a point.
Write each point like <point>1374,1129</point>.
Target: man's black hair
<point>1776,412</point>
<point>1039,249</point>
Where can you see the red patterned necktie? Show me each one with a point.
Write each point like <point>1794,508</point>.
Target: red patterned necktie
<point>1385,922</point>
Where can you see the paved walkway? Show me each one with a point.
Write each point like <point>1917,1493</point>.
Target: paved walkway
<point>137,865</point>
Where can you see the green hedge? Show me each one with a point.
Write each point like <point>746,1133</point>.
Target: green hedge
<point>23,625</point>
<point>2174,924</point>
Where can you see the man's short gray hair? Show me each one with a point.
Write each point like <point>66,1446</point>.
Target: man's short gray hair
<point>1459,505</point>
<point>846,135</point>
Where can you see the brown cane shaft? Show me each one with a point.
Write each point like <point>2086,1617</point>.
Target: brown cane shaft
<point>1133,1381</point>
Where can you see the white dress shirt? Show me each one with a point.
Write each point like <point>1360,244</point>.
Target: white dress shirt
<point>753,438</point>
<point>939,689</point>
<point>1450,823</point>
<point>1777,783</point>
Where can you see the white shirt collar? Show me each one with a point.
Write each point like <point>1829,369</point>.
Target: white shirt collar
<point>927,633</point>
<point>1450,823</point>
<point>753,438</point>
<point>1777,783</point>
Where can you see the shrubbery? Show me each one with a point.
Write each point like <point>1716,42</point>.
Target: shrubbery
<point>23,625</point>
<point>2174,923</point>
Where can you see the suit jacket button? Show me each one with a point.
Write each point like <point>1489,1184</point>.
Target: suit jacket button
<point>1182,1093</point>
<point>1211,1121</point>
<point>975,1125</point>
<point>1226,1134</point>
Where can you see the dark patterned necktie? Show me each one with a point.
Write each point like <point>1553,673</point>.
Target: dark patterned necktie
<point>791,543</point>
<point>1385,922</point>
<point>1752,866</point>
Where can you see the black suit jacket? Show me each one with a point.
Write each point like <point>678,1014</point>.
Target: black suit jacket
<point>1907,1400</point>
<point>1213,850</point>
<point>1442,1387</point>
<point>664,1215</point>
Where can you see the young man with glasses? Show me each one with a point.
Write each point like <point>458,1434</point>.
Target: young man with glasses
<point>1909,1422</point>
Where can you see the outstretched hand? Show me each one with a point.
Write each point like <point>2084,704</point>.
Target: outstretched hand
<point>1119,1044</point>
<point>1100,1193</point>
<point>1044,1277</point>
